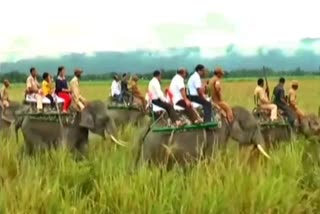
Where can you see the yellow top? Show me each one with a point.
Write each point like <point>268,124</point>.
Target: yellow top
<point>46,88</point>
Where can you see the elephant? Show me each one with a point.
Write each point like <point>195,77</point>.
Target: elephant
<point>42,134</point>
<point>277,133</point>
<point>10,116</point>
<point>309,126</point>
<point>122,114</point>
<point>122,117</point>
<point>273,132</point>
<point>189,146</point>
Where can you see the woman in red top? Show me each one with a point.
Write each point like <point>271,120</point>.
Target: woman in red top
<point>62,88</point>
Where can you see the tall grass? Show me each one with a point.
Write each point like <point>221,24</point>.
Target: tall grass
<point>233,181</point>
<point>53,182</point>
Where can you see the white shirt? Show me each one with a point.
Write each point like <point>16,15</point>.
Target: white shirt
<point>177,83</point>
<point>194,83</point>
<point>154,89</point>
<point>115,88</point>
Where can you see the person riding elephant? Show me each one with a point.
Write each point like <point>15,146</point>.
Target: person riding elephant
<point>179,95</point>
<point>157,98</point>
<point>116,89</point>
<point>4,99</point>
<point>78,101</point>
<point>292,99</point>
<point>62,88</point>
<point>262,100</point>
<point>47,88</point>
<point>125,95</point>
<point>136,92</point>
<point>280,101</point>
<point>196,92</point>
<point>33,88</point>
<point>216,95</point>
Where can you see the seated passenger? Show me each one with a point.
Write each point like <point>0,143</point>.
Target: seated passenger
<point>125,95</point>
<point>179,97</point>
<point>62,89</point>
<point>158,98</point>
<point>78,101</point>
<point>280,101</point>
<point>134,89</point>
<point>116,89</point>
<point>47,88</point>
<point>216,96</point>
<point>196,92</point>
<point>4,99</point>
<point>33,88</point>
<point>4,94</point>
<point>263,101</point>
<point>292,99</point>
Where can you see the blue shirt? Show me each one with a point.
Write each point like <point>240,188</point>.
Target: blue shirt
<point>61,84</point>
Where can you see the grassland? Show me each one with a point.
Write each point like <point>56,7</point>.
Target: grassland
<point>54,183</point>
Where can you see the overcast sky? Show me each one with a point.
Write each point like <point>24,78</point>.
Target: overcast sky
<point>51,27</point>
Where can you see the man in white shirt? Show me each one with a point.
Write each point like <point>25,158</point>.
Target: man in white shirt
<point>116,89</point>
<point>196,92</point>
<point>33,88</point>
<point>178,90</point>
<point>158,98</point>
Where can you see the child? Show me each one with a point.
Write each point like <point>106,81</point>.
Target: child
<point>47,89</point>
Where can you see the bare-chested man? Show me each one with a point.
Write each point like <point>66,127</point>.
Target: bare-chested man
<point>4,99</point>
<point>4,94</point>
<point>292,99</point>
<point>215,84</point>
<point>263,101</point>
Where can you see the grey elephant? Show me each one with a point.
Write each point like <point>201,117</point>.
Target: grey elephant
<point>183,147</point>
<point>273,132</point>
<point>309,126</point>
<point>123,115</point>
<point>10,117</point>
<point>276,133</point>
<point>42,134</point>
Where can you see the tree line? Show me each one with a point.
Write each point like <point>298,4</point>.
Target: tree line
<point>20,77</point>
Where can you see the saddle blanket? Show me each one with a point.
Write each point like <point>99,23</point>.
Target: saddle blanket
<point>31,98</point>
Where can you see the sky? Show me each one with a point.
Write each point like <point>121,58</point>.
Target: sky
<point>53,27</point>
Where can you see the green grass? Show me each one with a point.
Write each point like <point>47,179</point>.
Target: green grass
<point>233,182</point>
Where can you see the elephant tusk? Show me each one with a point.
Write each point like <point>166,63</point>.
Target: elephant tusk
<point>117,142</point>
<point>260,148</point>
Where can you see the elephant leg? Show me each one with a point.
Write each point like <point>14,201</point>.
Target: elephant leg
<point>82,141</point>
<point>33,142</point>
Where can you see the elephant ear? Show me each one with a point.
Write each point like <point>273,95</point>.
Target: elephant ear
<point>87,120</point>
